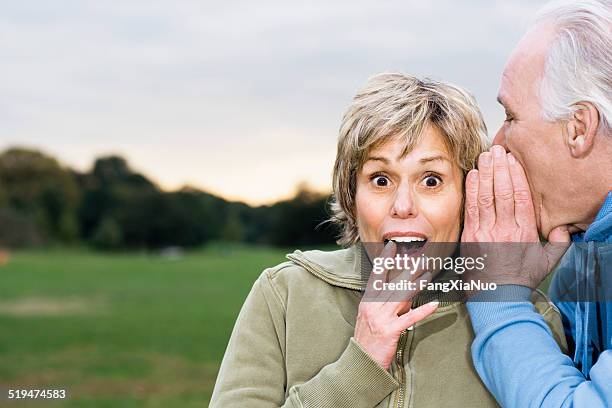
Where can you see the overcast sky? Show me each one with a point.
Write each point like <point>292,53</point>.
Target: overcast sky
<point>239,98</point>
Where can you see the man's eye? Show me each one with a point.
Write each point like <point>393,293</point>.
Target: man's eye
<point>380,181</point>
<point>509,119</point>
<point>432,181</point>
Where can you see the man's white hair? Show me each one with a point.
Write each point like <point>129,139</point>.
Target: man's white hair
<point>579,62</point>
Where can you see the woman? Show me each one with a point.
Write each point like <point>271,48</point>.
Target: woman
<point>306,336</point>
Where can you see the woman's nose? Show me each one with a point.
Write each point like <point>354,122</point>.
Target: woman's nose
<point>404,205</point>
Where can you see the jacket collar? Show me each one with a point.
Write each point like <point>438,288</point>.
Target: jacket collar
<point>339,268</point>
<point>601,229</point>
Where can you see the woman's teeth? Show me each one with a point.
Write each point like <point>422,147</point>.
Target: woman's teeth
<point>405,239</point>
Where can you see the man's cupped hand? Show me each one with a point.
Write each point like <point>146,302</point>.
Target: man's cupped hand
<point>500,224</point>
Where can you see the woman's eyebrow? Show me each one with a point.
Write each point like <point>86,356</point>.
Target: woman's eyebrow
<point>428,159</point>
<point>378,158</point>
<point>422,160</point>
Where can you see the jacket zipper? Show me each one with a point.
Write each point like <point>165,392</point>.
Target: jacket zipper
<point>399,358</point>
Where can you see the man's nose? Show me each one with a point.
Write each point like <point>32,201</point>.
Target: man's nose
<point>500,138</point>
<point>404,205</point>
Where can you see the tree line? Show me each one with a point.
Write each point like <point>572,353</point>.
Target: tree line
<point>114,207</point>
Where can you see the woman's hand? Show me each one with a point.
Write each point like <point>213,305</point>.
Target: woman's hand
<point>383,316</point>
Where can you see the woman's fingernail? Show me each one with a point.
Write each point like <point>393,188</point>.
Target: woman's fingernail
<point>434,303</point>
<point>511,158</point>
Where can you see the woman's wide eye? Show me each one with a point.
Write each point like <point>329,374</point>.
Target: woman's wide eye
<point>432,181</point>
<point>381,181</point>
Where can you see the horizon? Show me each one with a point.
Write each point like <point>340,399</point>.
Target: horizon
<point>299,186</point>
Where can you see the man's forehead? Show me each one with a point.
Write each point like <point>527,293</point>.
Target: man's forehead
<point>504,94</point>
<point>533,47</point>
<point>525,65</point>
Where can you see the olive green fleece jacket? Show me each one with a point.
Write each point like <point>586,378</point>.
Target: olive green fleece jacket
<point>292,345</point>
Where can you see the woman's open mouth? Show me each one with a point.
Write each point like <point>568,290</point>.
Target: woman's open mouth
<point>406,244</point>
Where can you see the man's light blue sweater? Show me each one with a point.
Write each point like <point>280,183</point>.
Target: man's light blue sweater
<point>514,351</point>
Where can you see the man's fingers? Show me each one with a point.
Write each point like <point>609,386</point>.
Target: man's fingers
<point>486,200</point>
<point>524,213</point>
<point>559,240</point>
<point>560,234</point>
<point>416,315</point>
<point>471,202</point>
<point>503,191</point>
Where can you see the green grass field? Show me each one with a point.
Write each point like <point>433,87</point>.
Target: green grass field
<point>121,330</point>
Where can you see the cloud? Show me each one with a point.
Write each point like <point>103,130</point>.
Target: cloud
<point>219,94</point>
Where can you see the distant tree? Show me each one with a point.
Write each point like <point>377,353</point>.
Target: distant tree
<point>18,230</point>
<point>112,206</point>
<point>36,186</point>
<point>299,221</point>
<point>108,235</point>
<point>146,216</point>
<point>3,197</point>
<point>184,218</point>
<point>68,227</point>
<point>233,230</point>
<point>107,190</point>
<point>111,168</point>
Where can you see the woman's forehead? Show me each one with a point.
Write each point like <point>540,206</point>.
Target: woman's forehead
<point>430,145</point>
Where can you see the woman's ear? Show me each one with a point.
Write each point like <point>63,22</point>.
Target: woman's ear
<point>581,129</point>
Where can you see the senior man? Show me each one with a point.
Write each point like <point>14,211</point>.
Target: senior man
<point>557,92</point>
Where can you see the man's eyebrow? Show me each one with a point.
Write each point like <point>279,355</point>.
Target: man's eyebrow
<point>504,104</point>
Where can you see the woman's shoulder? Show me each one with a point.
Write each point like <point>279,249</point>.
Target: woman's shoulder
<point>339,268</point>
<point>550,313</point>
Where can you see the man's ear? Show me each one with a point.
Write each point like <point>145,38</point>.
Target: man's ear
<point>581,129</point>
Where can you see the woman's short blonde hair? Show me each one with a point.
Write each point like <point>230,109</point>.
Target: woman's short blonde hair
<point>398,105</point>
